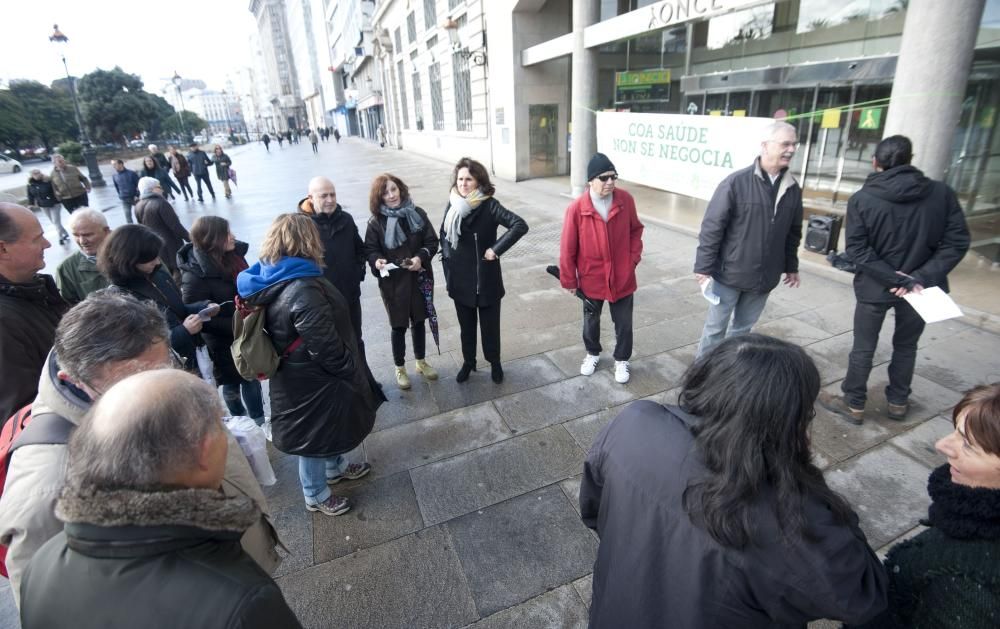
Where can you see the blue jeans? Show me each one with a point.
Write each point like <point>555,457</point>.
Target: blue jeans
<point>252,395</point>
<point>743,307</point>
<point>313,473</point>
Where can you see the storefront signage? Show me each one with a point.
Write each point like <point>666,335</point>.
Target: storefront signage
<point>871,118</point>
<point>831,119</point>
<point>660,15</point>
<point>642,86</point>
<point>679,153</point>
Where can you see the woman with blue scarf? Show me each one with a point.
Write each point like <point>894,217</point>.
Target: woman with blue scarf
<point>400,233</point>
<point>323,397</point>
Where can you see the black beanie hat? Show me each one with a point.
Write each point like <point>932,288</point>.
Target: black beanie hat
<point>599,163</point>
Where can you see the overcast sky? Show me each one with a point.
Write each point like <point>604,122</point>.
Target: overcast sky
<point>200,39</point>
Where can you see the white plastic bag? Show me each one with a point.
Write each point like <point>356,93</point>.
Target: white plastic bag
<point>205,366</point>
<point>252,441</point>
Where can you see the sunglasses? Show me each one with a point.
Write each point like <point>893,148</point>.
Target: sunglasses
<point>604,178</point>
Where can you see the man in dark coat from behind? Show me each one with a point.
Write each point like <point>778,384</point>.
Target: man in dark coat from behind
<point>343,249</point>
<point>30,307</point>
<point>149,532</point>
<point>156,213</point>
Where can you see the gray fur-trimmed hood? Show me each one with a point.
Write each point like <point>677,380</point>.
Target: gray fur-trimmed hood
<point>206,509</point>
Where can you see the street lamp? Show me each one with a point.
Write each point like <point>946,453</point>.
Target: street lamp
<point>89,154</point>
<point>177,80</point>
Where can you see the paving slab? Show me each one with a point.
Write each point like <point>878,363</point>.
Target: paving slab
<point>585,588</point>
<point>962,361</point>
<point>402,407</point>
<point>519,375</point>
<point>434,438</point>
<point>560,608</point>
<point>414,581</point>
<point>571,487</point>
<point>919,442</point>
<point>383,509</point>
<point>492,474</point>
<point>655,374</point>
<point>584,429</point>
<point>886,488</point>
<point>520,548</point>
<point>559,401</point>
<point>835,317</point>
<point>927,399</point>
<point>840,439</point>
<point>793,330</point>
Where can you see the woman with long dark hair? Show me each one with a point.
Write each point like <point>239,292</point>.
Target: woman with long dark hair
<point>470,253</point>
<point>323,397</point>
<point>209,265</point>
<point>400,233</point>
<point>151,168</point>
<point>947,577</point>
<point>712,514</point>
<point>130,260</point>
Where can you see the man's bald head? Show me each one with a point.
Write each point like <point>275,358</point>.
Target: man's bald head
<point>151,429</point>
<point>22,243</point>
<point>323,195</point>
<point>9,225</point>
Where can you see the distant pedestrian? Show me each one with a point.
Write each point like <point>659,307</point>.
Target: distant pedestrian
<point>70,185</point>
<point>199,162</point>
<point>314,140</point>
<point>151,168</point>
<point>712,513</point>
<point>127,185</point>
<point>336,135</point>
<point>42,195</point>
<point>905,233</point>
<point>164,163</point>
<point>750,236</point>
<point>156,213</point>
<point>266,139</point>
<point>380,135</point>
<point>601,246</point>
<point>222,167</point>
<point>182,171</point>
<point>281,139</point>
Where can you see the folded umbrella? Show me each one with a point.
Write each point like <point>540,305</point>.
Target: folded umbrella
<point>553,270</point>
<point>426,282</point>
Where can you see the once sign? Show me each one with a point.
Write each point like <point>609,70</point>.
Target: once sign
<point>679,153</point>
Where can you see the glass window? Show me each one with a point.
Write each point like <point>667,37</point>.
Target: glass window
<point>430,14</point>
<point>399,40</point>
<point>411,27</point>
<point>437,101</point>
<point>401,81</point>
<point>418,103</point>
<point>741,26</point>
<point>453,4</point>
<point>463,90</point>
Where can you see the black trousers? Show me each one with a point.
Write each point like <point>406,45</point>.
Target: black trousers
<point>354,309</point>
<point>621,315</point>
<point>489,326</point>
<point>418,332</point>
<point>185,187</point>
<point>868,319</point>
<point>208,182</point>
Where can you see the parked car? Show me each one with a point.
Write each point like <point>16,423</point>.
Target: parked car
<point>9,165</point>
<point>136,144</point>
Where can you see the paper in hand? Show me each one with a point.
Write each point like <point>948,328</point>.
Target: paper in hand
<point>388,266</point>
<point>708,293</point>
<point>933,305</point>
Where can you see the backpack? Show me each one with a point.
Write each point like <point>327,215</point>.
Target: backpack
<point>252,349</point>
<point>47,428</point>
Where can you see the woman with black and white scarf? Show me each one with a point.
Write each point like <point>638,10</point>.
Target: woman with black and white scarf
<point>470,252</point>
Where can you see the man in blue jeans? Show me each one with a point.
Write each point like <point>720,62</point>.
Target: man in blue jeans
<point>905,233</point>
<point>750,236</point>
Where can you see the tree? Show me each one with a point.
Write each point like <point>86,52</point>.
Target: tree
<point>114,104</point>
<point>192,123</point>
<point>49,111</point>
<point>15,126</point>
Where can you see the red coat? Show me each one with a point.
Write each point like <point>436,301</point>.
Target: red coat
<point>600,258</point>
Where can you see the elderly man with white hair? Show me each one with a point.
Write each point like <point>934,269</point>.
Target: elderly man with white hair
<point>750,236</point>
<point>77,276</point>
<point>151,539</point>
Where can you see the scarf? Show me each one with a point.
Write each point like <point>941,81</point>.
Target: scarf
<point>460,207</point>
<point>963,512</point>
<point>394,235</point>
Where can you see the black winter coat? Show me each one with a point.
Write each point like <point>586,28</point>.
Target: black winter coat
<point>471,280</point>
<point>401,289</point>
<point>40,193</point>
<point>746,240</point>
<point>29,314</point>
<point>323,396</point>
<point>160,289</point>
<point>151,559</point>
<point>156,213</point>
<point>656,568</point>
<point>902,221</point>
<point>161,174</point>
<point>343,249</point>
<point>202,281</point>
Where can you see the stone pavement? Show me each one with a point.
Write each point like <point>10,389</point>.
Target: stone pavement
<point>471,515</point>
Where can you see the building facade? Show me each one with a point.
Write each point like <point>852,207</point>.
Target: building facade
<point>279,64</point>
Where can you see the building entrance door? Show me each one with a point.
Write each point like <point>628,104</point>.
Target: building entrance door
<point>543,144</point>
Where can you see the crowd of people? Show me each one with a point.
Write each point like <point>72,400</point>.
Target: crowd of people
<point>710,512</point>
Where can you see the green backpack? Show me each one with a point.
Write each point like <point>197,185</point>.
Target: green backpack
<point>253,351</point>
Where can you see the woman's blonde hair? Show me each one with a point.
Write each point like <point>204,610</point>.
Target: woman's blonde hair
<point>292,235</point>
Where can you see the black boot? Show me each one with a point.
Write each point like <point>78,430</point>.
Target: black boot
<point>496,372</point>
<point>463,373</point>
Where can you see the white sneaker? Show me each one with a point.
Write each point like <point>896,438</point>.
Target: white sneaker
<point>621,371</point>
<point>589,364</point>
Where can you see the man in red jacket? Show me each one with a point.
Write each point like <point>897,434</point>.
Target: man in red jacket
<point>600,247</point>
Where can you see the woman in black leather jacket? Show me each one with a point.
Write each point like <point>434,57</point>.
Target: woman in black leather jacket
<point>323,396</point>
<point>470,252</point>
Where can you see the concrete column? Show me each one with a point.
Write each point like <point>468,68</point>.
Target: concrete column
<point>935,57</point>
<point>584,94</point>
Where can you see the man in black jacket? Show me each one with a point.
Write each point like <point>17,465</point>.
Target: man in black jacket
<point>905,233</point>
<point>148,529</point>
<point>30,307</point>
<point>750,236</point>
<point>343,249</point>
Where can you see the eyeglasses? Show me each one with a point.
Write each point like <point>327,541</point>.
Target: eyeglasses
<point>604,178</point>
<point>786,145</point>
